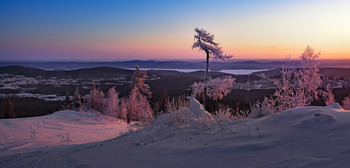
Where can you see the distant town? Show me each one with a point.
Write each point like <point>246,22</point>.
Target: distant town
<point>24,86</point>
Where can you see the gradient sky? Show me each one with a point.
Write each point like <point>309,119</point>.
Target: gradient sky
<point>164,29</point>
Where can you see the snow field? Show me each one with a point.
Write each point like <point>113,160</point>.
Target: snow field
<point>311,137</point>
<point>57,129</point>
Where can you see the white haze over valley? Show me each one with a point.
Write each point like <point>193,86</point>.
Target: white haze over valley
<point>228,71</point>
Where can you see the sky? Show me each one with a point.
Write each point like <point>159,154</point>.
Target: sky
<point>164,29</point>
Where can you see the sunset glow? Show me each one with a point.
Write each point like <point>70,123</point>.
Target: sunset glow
<point>119,30</point>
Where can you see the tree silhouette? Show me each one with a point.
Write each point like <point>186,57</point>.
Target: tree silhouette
<point>9,109</point>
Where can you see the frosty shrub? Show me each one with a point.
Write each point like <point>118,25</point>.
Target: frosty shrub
<point>216,88</point>
<point>242,114</point>
<point>223,116</point>
<point>179,117</point>
<point>328,96</point>
<point>262,108</point>
<point>178,111</point>
<point>346,103</point>
<point>203,122</point>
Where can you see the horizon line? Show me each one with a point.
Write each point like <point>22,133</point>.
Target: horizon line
<point>160,60</point>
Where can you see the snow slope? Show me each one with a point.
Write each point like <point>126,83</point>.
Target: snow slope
<point>311,137</point>
<point>57,129</point>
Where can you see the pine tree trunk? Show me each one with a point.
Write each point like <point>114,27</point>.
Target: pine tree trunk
<point>206,81</point>
<point>128,118</point>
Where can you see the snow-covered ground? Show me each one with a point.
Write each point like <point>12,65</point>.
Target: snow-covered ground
<point>311,137</point>
<point>57,129</point>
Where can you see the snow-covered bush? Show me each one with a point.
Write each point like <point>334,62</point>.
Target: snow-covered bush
<point>262,108</point>
<point>176,104</point>
<point>223,116</point>
<point>216,88</point>
<point>186,113</point>
<point>328,96</point>
<point>346,103</point>
<point>178,111</point>
<point>178,117</point>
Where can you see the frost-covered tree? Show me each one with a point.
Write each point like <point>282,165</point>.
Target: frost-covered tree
<point>139,82</point>
<point>77,100</point>
<point>137,105</point>
<point>95,100</point>
<point>328,95</point>
<point>204,41</point>
<point>123,111</point>
<point>346,103</point>
<point>285,95</point>
<point>308,78</point>
<point>216,88</point>
<point>112,103</point>
<point>296,88</point>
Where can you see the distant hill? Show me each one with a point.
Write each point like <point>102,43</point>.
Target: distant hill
<point>69,65</point>
<point>148,64</point>
<point>98,72</point>
<point>331,72</point>
<point>22,70</point>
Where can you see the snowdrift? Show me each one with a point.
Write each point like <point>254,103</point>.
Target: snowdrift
<point>311,137</point>
<point>184,116</point>
<point>59,128</point>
